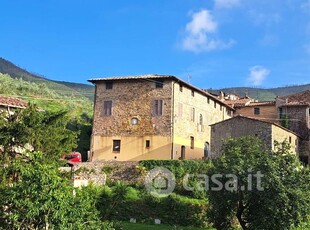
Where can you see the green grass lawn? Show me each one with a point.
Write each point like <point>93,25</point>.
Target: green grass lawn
<point>129,226</point>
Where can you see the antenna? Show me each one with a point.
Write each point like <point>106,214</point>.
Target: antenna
<point>189,77</point>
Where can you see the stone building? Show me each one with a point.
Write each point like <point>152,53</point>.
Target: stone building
<point>244,126</point>
<point>152,117</point>
<point>294,114</point>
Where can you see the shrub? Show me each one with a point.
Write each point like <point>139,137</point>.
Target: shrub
<point>124,203</point>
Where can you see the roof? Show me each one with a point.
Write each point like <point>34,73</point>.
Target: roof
<point>12,102</point>
<point>145,76</point>
<point>257,103</point>
<point>239,102</point>
<point>258,120</point>
<point>302,98</point>
<point>159,76</point>
<point>262,103</point>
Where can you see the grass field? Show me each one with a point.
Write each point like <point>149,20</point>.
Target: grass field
<point>129,226</point>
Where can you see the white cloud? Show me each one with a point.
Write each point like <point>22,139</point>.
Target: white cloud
<point>257,75</point>
<point>202,21</point>
<point>198,33</point>
<point>226,3</point>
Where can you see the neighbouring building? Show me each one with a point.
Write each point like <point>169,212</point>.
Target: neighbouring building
<point>249,107</point>
<point>10,104</point>
<point>152,117</point>
<point>244,126</point>
<point>262,110</point>
<point>294,114</point>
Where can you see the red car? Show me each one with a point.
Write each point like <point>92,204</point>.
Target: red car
<point>74,157</point>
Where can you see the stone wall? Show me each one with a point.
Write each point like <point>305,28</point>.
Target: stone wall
<point>298,120</point>
<point>132,99</point>
<point>242,126</point>
<point>238,127</point>
<point>99,172</point>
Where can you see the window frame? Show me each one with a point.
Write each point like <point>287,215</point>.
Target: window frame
<point>147,144</point>
<point>193,113</point>
<point>256,111</point>
<point>109,85</point>
<point>107,108</point>
<point>116,142</point>
<point>158,105</point>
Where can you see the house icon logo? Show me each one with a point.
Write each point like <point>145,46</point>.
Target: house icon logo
<point>160,182</point>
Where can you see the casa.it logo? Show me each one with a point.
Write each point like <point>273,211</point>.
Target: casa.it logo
<point>160,182</point>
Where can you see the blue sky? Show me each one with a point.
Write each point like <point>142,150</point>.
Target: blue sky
<point>211,43</point>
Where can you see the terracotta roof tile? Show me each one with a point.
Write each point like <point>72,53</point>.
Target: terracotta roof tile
<point>12,102</point>
<point>302,98</point>
<point>239,102</point>
<point>258,103</point>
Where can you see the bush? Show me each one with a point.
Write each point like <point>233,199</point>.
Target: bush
<point>180,168</point>
<point>122,203</point>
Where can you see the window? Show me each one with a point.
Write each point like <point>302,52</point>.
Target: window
<point>228,112</point>
<point>192,142</point>
<point>158,108</point>
<point>147,144</point>
<point>134,121</point>
<point>180,110</point>
<point>159,84</point>
<point>181,88</point>
<point>193,93</point>
<point>214,104</point>
<point>116,146</point>
<point>109,85</point>
<point>208,100</point>
<point>256,111</point>
<point>107,108</point>
<point>193,114</point>
<point>290,139</point>
<point>221,107</point>
<point>200,119</point>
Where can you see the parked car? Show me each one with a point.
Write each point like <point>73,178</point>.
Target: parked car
<point>72,158</point>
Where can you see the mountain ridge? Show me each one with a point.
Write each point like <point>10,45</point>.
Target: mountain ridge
<point>67,88</point>
<point>62,87</point>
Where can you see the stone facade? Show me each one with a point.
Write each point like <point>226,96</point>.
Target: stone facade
<point>294,112</point>
<point>171,118</point>
<point>243,126</point>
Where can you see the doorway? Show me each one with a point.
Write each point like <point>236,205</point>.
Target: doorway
<point>182,152</point>
<point>206,149</point>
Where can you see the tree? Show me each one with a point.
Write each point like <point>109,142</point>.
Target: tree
<point>42,130</point>
<point>43,198</point>
<point>277,199</point>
